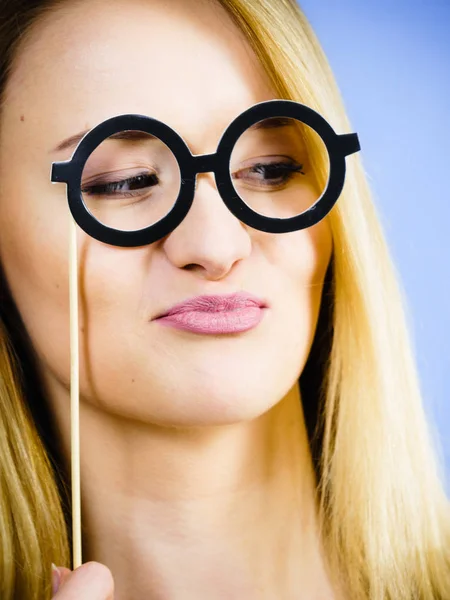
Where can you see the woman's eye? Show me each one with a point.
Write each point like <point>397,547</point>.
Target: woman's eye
<point>270,174</point>
<point>129,187</point>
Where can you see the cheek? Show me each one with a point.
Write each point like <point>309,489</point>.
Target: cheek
<point>294,268</point>
<point>301,259</point>
<point>33,242</point>
<point>34,253</point>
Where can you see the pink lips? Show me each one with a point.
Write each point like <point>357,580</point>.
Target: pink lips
<point>231,313</point>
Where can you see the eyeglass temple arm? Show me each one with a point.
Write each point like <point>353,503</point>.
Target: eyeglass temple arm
<point>349,143</point>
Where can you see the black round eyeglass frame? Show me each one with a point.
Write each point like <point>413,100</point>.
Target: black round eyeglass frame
<point>339,146</point>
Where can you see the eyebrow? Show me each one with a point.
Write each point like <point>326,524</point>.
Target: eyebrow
<point>121,135</point>
<point>70,142</point>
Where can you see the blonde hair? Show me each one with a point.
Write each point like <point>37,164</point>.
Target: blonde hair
<point>385,518</point>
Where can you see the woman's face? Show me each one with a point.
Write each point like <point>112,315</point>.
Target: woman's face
<point>186,64</point>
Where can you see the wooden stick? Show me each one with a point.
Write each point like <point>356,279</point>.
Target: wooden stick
<point>74,397</point>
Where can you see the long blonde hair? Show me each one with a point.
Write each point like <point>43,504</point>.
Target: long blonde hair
<point>384,515</point>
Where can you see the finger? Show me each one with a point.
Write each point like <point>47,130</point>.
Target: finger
<point>90,581</point>
<point>59,574</point>
<point>64,575</point>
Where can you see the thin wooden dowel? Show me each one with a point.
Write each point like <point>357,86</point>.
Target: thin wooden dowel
<point>74,398</point>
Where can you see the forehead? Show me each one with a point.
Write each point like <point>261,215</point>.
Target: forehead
<point>183,62</point>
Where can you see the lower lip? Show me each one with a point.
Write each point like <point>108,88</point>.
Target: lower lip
<point>213,323</point>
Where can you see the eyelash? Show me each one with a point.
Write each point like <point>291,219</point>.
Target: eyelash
<point>288,169</point>
<point>104,189</point>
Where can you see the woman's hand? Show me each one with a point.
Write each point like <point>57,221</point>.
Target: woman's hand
<point>90,581</point>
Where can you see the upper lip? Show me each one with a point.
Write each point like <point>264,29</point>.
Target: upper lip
<point>215,303</point>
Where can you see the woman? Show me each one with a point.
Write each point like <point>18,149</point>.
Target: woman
<point>288,459</point>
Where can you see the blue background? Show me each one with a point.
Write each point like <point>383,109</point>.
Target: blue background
<point>391,60</point>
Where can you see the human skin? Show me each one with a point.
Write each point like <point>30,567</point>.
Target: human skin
<point>196,471</point>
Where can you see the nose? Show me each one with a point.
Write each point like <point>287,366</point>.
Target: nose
<point>210,239</point>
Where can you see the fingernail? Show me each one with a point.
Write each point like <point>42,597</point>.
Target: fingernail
<point>56,578</point>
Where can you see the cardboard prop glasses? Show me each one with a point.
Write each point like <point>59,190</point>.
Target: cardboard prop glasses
<point>131,179</point>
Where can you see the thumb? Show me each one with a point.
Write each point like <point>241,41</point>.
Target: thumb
<point>59,575</point>
<point>90,581</point>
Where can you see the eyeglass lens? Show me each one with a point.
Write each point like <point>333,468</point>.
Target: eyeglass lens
<point>279,167</point>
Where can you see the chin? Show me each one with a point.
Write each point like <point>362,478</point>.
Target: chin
<point>238,402</point>
<point>193,405</point>
<point>196,393</point>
